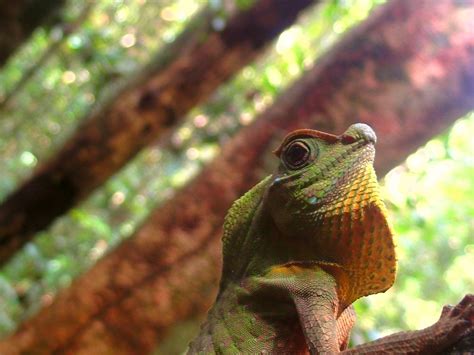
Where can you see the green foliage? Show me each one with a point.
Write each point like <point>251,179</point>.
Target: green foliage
<point>429,197</point>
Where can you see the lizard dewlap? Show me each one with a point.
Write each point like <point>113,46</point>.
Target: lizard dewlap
<point>300,247</point>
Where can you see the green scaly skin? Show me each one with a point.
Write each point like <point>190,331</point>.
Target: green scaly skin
<point>301,246</point>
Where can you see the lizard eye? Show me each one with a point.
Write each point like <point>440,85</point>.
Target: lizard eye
<point>296,155</point>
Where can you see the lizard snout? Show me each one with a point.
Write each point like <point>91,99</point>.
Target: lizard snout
<point>359,131</point>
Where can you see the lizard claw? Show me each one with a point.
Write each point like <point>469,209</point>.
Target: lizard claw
<point>446,309</point>
<point>466,303</point>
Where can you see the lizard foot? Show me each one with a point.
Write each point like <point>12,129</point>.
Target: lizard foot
<point>455,321</point>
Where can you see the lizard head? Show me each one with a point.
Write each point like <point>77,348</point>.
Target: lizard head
<point>326,193</point>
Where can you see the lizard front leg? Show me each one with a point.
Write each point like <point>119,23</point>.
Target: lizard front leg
<point>314,294</point>
<point>345,322</point>
<point>317,310</point>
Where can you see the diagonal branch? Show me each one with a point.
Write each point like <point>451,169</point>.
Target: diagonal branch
<point>181,77</point>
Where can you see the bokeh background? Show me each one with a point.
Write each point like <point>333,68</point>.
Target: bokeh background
<point>70,64</point>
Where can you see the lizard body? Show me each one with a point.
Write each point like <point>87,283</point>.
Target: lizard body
<point>300,247</point>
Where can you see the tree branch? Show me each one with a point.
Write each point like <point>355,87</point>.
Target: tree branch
<point>184,75</point>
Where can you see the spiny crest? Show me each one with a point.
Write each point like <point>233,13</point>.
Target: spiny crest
<point>236,227</point>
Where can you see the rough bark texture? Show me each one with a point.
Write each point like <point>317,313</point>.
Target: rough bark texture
<point>183,76</point>
<point>19,18</point>
<point>407,71</point>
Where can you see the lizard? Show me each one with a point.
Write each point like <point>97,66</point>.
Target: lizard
<point>301,246</point>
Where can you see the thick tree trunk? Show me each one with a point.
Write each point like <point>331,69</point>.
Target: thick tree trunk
<point>183,76</point>
<point>19,18</point>
<point>392,72</point>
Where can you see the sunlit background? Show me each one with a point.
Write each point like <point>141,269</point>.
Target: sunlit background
<point>430,196</point>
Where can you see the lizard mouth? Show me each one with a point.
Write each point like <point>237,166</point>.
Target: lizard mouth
<point>354,139</point>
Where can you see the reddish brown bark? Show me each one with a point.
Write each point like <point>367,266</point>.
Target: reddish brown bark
<point>393,72</point>
<point>18,19</point>
<point>183,76</point>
